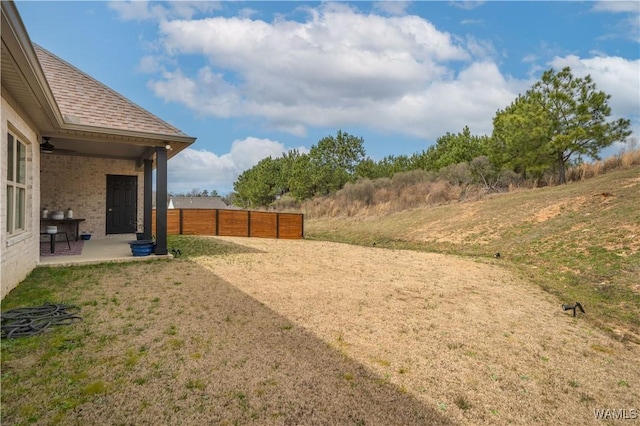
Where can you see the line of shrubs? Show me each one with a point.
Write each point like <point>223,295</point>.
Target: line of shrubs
<point>458,182</point>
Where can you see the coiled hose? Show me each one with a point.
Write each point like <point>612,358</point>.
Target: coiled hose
<point>29,321</point>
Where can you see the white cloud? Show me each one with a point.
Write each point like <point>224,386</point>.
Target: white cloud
<point>247,12</point>
<point>206,170</point>
<point>466,4</point>
<point>188,9</point>
<point>627,27</point>
<point>392,7</point>
<point>207,94</point>
<point>339,67</point>
<point>480,48</point>
<point>630,27</point>
<point>470,98</point>
<point>150,64</point>
<point>138,10</point>
<point>617,6</point>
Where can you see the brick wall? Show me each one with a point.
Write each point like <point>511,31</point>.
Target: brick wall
<point>80,183</point>
<point>19,253</point>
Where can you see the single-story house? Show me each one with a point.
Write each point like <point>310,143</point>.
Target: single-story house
<point>70,142</point>
<point>196,203</point>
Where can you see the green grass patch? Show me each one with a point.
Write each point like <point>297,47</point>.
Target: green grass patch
<point>462,403</point>
<point>196,384</point>
<point>192,246</point>
<point>95,388</point>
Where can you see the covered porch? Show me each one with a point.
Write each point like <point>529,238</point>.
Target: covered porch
<point>107,196</point>
<point>105,159</point>
<point>98,251</point>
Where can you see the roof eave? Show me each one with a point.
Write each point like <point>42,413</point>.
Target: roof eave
<point>160,138</point>
<point>15,35</point>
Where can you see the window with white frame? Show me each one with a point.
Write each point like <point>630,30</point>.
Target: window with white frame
<point>16,184</point>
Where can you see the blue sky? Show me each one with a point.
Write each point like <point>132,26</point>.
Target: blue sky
<point>253,79</point>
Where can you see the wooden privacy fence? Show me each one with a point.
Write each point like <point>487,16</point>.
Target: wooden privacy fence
<point>233,223</point>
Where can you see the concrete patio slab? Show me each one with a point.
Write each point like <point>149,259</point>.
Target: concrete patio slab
<point>114,249</point>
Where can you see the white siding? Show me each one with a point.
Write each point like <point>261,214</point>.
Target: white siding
<point>19,253</point>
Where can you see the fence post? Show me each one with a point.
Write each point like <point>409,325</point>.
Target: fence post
<point>217,222</point>
<point>278,225</point>
<point>249,223</point>
<point>181,222</point>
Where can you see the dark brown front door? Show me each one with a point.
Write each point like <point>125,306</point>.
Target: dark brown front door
<point>122,204</point>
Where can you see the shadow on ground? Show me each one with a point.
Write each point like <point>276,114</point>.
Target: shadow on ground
<point>172,343</point>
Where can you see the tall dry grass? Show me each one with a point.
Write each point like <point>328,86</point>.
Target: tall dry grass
<point>585,171</point>
<point>418,188</point>
<point>383,196</point>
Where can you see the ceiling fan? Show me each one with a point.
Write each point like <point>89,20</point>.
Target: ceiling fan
<point>48,148</point>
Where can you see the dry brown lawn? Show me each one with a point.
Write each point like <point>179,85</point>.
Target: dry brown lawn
<point>305,332</point>
<point>466,339</point>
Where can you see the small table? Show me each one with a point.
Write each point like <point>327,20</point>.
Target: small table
<point>64,222</point>
<point>52,244</point>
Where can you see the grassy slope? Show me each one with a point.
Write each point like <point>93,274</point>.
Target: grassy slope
<point>580,241</point>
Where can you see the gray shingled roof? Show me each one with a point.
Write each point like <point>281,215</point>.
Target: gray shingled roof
<point>85,101</point>
<point>198,203</point>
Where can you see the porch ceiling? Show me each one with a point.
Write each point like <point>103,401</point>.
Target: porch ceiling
<point>65,146</point>
<point>100,145</point>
